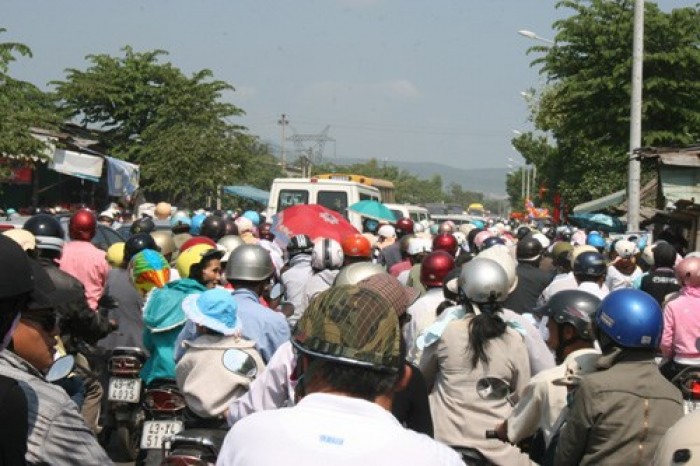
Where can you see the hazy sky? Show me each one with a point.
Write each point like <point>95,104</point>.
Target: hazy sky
<point>413,80</point>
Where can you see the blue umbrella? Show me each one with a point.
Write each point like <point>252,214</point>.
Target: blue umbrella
<point>600,222</point>
<point>373,209</point>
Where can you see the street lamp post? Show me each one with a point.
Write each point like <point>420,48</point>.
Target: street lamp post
<point>532,35</point>
<point>283,122</point>
<point>634,168</point>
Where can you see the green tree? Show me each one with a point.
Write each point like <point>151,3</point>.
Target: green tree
<point>176,127</point>
<point>409,188</point>
<point>584,110</point>
<point>22,106</point>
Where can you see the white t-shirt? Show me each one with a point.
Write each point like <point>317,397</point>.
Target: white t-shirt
<point>563,281</point>
<point>599,291</point>
<point>542,401</point>
<point>616,280</point>
<point>422,316</point>
<point>325,429</point>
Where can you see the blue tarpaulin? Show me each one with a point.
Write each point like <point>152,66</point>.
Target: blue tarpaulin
<point>122,177</point>
<point>248,192</point>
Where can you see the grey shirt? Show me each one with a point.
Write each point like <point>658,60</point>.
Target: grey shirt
<point>57,433</point>
<point>128,314</point>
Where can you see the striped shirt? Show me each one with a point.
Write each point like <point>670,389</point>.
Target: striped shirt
<point>57,433</point>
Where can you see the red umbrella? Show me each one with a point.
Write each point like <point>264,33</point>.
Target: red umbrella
<point>312,220</point>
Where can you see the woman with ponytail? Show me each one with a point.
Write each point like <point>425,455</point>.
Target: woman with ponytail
<point>474,344</point>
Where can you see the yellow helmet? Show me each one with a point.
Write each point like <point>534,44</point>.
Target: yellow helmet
<point>115,254</point>
<point>189,257</point>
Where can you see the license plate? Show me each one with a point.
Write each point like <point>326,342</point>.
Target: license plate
<point>125,390</point>
<point>689,406</point>
<point>154,432</point>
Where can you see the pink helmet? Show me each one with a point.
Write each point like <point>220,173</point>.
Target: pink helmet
<point>448,226</point>
<point>481,237</point>
<point>688,271</point>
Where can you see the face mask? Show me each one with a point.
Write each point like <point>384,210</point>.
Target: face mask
<point>6,338</point>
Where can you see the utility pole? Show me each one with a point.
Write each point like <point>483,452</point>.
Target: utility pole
<point>634,169</point>
<point>527,183</point>
<point>535,189</point>
<point>283,122</point>
<point>522,183</point>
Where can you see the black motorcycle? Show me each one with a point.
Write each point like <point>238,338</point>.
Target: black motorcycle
<point>163,406</point>
<point>125,413</point>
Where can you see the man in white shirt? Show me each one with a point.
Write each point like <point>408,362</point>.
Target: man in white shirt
<point>590,271</point>
<point>564,280</point>
<point>541,404</point>
<point>349,363</point>
<point>423,312</point>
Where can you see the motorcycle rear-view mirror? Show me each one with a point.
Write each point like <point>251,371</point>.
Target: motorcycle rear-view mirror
<point>493,388</point>
<point>60,368</point>
<point>240,362</point>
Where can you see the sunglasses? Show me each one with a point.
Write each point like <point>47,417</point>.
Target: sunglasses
<point>47,320</point>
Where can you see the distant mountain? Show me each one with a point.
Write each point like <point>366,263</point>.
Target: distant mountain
<point>490,181</point>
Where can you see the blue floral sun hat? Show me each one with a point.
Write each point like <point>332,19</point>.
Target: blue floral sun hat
<point>215,309</point>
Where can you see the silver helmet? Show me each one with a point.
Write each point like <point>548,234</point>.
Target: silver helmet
<point>354,273</point>
<point>229,243</point>
<point>249,262</point>
<point>483,281</point>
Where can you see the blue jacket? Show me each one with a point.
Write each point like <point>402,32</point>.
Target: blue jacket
<point>163,319</point>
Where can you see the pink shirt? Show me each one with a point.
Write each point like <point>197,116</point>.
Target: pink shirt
<point>402,266</point>
<point>682,327</point>
<point>88,264</point>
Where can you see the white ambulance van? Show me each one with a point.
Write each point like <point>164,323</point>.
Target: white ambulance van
<point>333,194</point>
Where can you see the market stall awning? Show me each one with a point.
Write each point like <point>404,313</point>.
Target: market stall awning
<point>248,192</point>
<point>601,203</point>
<point>77,164</point>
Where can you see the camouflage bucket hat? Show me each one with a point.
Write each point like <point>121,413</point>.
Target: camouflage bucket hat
<point>351,325</point>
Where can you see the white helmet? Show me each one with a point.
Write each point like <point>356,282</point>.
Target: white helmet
<point>681,443</point>
<point>544,241</point>
<point>327,254</point>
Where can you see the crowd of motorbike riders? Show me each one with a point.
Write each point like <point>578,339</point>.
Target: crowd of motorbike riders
<point>408,343</point>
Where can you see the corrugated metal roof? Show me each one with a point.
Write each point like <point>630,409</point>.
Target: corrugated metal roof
<point>601,203</point>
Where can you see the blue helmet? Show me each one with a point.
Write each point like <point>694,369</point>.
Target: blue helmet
<point>252,216</point>
<point>631,318</point>
<point>492,241</point>
<point>596,240</point>
<point>477,223</point>
<point>196,225</point>
<point>181,219</point>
